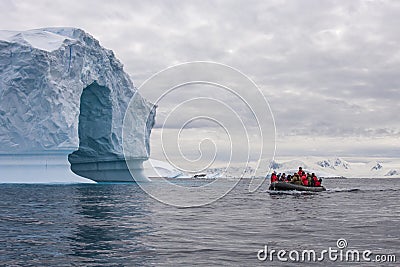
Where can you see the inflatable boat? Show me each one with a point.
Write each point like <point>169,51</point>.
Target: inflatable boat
<point>283,186</point>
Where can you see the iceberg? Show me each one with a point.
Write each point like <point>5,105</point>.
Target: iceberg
<point>61,92</point>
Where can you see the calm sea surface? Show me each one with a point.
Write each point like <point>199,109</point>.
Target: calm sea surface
<point>120,225</point>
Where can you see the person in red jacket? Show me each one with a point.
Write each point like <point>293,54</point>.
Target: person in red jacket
<point>274,178</point>
<point>304,180</point>
<point>317,182</point>
<point>300,172</point>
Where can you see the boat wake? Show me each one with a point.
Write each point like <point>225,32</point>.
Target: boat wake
<point>329,191</point>
<point>358,190</point>
<point>340,190</point>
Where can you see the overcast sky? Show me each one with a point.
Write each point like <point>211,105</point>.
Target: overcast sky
<point>330,69</point>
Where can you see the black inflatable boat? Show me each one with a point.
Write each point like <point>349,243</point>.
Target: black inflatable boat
<point>283,186</point>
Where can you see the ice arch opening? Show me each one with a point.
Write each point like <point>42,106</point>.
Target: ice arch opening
<point>96,157</point>
<point>95,120</point>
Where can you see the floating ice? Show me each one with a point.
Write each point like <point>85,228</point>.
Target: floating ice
<point>60,90</point>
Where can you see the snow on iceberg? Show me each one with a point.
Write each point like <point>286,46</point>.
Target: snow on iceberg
<point>60,90</point>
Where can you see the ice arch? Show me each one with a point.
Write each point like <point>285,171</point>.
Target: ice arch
<point>44,74</point>
<point>96,157</point>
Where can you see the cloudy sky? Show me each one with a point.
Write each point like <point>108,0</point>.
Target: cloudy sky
<point>329,69</point>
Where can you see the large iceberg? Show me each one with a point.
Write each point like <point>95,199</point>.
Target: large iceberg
<point>61,91</point>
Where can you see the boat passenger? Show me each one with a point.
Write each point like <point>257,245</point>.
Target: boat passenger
<point>292,178</point>
<point>283,177</point>
<point>312,179</point>
<point>300,172</point>
<point>304,180</point>
<point>274,178</point>
<point>289,178</point>
<point>296,179</point>
<point>317,182</point>
<point>309,179</point>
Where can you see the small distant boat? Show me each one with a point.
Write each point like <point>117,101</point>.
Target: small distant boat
<point>284,186</point>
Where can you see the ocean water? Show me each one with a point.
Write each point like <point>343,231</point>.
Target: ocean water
<point>119,225</point>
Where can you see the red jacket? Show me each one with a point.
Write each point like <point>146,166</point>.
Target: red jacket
<point>274,178</point>
<point>316,181</point>
<point>304,180</point>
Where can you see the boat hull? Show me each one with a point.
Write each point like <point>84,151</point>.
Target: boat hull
<point>283,186</point>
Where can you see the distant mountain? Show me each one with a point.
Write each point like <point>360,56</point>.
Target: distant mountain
<point>338,167</point>
<point>334,163</point>
<point>393,173</point>
<point>377,167</point>
<point>322,167</point>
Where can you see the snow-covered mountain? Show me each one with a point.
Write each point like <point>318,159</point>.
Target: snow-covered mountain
<point>393,173</point>
<point>324,167</point>
<point>339,167</point>
<point>333,163</point>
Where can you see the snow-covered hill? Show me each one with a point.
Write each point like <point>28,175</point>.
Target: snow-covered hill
<point>325,167</point>
<point>339,167</point>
